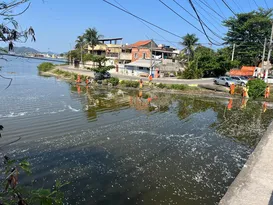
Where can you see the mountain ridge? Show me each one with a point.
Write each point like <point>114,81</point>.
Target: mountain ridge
<point>25,50</point>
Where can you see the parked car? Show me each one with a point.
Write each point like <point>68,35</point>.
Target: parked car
<point>102,76</point>
<point>226,81</point>
<point>106,75</point>
<point>98,76</point>
<point>240,80</point>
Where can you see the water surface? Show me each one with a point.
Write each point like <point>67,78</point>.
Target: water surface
<point>126,147</point>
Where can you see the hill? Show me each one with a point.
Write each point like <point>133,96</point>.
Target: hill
<point>24,50</point>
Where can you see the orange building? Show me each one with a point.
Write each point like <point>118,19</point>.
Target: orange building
<point>244,71</point>
<point>142,49</point>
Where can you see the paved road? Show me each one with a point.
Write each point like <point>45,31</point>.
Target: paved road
<point>127,77</point>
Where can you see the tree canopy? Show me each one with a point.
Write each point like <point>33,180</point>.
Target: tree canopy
<point>248,31</point>
<point>190,43</point>
<point>91,37</point>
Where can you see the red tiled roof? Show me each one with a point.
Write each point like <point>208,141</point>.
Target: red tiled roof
<point>139,43</point>
<point>245,70</point>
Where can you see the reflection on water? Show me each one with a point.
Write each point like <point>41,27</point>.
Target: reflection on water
<point>130,147</point>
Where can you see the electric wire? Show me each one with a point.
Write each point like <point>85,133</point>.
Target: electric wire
<point>203,32</point>
<point>146,25</point>
<point>217,35</point>
<point>165,30</point>
<point>200,21</point>
<point>208,6</point>
<point>229,7</point>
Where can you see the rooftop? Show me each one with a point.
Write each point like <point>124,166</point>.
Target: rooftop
<point>139,43</point>
<point>110,39</point>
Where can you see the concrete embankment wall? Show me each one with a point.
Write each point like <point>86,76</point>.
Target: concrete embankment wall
<point>254,184</point>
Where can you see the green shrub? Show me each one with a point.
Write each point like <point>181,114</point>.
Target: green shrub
<point>105,82</point>
<point>75,76</point>
<point>67,74</point>
<point>161,85</point>
<point>129,83</point>
<point>146,96</point>
<point>178,87</point>
<point>45,67</point>
<point>114,81</point>
<point>256,88</point>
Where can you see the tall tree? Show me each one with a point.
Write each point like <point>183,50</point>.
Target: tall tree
<point>190,43</point>
<point>248,31</point>
<point>80,44</point>
<point>92,37</point>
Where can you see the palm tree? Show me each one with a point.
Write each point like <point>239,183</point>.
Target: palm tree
<point>80,44</point>
<point>190,43</point>
<point>91,37</point>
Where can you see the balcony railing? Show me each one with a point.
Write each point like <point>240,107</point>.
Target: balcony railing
<point>126,56</point>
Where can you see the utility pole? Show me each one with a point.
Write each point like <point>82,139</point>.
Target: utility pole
<point>151,60</point>
<point>269,54</point>
<point>233,51</point>
<point>264,53</point>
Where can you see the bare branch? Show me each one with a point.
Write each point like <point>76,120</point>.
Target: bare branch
<point>7,79</point>
<point>18,14</point>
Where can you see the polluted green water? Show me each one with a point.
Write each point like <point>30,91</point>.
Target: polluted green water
<point>128,147</point>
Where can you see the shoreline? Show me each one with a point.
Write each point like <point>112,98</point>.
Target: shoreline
<point>189,90</point>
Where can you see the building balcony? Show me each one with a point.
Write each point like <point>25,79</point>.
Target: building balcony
<point>126,56</point>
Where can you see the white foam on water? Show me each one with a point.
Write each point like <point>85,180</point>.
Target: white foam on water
<point>12,114</point>
<point>73,109</point>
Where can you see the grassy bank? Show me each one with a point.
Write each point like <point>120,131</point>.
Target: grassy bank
<point>50,69</point>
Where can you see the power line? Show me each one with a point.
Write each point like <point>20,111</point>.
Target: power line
<point>256,3</point>
<point>144,24</point>
<point>142,19</point>
<point>210,14</point>
<point>212,9</point>
<point>200,21</point>
<point>249,4</point>
<point>219,8</point>
<point>266,4</point>
<point>181,17</point>
<point>197,20</point>
<point>237,5</point>
<point>175,41</point>
<point>229,7</point>
<point>203,32</point>
<point>210,22</point>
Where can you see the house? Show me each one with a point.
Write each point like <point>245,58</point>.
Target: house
<point>147,54</point>
<point>112,48</point>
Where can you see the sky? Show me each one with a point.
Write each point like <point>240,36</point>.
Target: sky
<point>57,23</point>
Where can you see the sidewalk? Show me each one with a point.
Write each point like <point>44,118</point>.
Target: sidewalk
<point>254,184</point>
<point>81,71</point>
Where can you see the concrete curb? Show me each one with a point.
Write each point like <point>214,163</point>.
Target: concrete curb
<point>254,184</point>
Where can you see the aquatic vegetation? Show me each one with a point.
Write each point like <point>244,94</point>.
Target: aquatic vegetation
<point>114,81</point>
<point>256,88</point>
<point>129,83</point>
<point>45,67</point>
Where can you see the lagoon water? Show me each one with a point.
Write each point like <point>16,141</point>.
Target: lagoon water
<point>116,148</point>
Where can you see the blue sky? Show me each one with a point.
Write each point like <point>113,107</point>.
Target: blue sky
<point>58,22</point>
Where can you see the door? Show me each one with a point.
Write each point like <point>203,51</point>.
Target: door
<point>222,81</point>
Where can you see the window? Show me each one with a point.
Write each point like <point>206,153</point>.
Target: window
<point>144,56</point>
<point>136,56</point>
